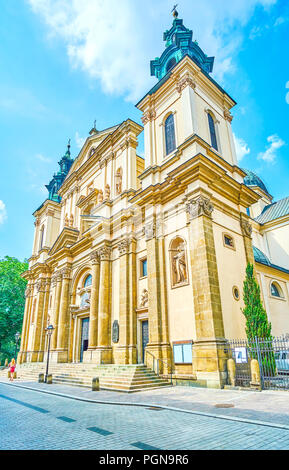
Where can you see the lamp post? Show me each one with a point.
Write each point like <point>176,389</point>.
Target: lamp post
<point>49,330</point>
<point>17,336</point>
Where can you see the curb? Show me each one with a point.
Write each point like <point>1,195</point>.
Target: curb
<point>147,405</point>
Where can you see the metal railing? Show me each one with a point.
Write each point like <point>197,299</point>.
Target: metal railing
<point>272,355</point>
<point>156,365</point>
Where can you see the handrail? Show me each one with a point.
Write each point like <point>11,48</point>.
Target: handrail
<point>163,361</point>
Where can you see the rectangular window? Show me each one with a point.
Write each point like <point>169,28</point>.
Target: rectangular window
<point>143,268</point>
<point>183,353</point>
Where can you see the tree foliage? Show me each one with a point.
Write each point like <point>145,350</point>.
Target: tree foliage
<point>12,303</point>
<point>257,324</point>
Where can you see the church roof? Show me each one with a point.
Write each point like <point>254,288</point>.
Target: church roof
<point>251,179</point>
<point>274,211</point>
<point>260,257</point>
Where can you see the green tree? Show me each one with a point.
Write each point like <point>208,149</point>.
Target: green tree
<point>257,324</point>
<point>12,303</point>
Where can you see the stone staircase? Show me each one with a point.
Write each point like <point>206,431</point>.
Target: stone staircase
<point>120,378</point>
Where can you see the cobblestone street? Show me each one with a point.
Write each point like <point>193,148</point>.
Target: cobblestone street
<point>33,420</point>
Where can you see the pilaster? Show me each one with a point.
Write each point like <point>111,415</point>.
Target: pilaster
<point>208,349</point>
<point>89,355</point>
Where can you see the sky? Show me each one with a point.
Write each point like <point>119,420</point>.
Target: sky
<point>66,63</point>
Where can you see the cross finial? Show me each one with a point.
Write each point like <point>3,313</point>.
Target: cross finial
<point>94,124</point>
<point>174,11</point>
<point>68,145</point>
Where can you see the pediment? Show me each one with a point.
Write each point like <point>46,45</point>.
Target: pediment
<point>66,239</point>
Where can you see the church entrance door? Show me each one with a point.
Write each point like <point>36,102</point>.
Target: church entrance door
<point>145,336</point>
<point>84,337</point>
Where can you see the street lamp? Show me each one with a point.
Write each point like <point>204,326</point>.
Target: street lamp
<point>49,330</point>
<point>17,336</point>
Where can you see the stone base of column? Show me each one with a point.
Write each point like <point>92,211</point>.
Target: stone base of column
<point>35,356</point>
<point>100,355</point>
<point>209,362</point>
<point>20,357</point>
<point>125,355</point>
<point>58,356</point>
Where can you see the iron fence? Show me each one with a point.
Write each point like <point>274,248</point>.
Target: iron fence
<point>272,356</point>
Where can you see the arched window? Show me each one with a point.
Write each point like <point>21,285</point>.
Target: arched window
<point>170,134</point>
<point>212,129</point>
<point>170,64</point>
<point>88,281</point>
<point>276,290</point>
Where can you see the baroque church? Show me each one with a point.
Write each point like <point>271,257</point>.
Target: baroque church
<point>136,259</point>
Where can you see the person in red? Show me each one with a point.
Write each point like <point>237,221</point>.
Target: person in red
<point>12,367</point>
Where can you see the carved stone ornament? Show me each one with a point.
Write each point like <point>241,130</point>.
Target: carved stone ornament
<point>144,299</point>
<point>100,196</point>
<point>148,116</point>
<point>150,231</point>
<point>66,221</point>
<point>104,253</point>
<point>71,220</point>
<point>94,257</point>
<point>123,247</point>
<point>184,82</point>
<point>107,192</point>
<point>246,226</point>
<point>200,206</point>
<point>66,273</point>
<point>115,331</point>
<point>228,116</point>
<point>28,292</point>
<point>40,285</point>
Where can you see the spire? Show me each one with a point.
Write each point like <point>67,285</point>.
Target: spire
<point>58,178</point>
<point>179,43</point>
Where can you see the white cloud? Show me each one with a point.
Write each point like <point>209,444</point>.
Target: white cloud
<point>241,146</point>
<point>270,153</point>
<point>113,41</point>
<point>41,157</point>
<point>287,94</point>
<point>79,140</point>
<point>3,212</point>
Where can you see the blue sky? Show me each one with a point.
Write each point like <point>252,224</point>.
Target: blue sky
<point>65,63</point>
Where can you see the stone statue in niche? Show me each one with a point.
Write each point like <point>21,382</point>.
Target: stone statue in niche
<point>100,196</point>
<point>66,221</point>
<point>180,264</point>
<point>107,191</point>
<point>118,181</point>
<point>71,220</point>
<point>144,298</point>
<point>115,332</point>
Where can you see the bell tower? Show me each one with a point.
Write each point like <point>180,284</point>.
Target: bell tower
<point>186,111</point>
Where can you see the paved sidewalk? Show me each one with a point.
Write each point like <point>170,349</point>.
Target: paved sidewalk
<point>266,407</point>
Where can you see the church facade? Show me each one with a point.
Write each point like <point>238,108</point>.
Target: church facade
<point>135,259</point>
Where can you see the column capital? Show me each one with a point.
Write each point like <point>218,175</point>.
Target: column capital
<point>66,273</point>
<point>228,116</point>
<point>199,206</point>
<point>123,246</point>
<point>40,285</point>
<point>28,292</point>
<point>148,116</point>
<point>94,258</point>
<point>104,253</point>
<point>149,230</point>
<point>246,227</point>
<point>188,80</point>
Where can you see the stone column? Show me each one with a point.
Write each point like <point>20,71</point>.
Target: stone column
<point>29,313</point>
<point>44,319</point>
<point>36,340</point>
<point>63,324</point>
<point>246,228</point>
<point>156,301</point>
<point>104,342</point>
<point>91,355</point>
<point>121,353</point>
<point>132,351</point>
<point>25,327</point>
<point>58,280</point>
<point>209,361</point>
